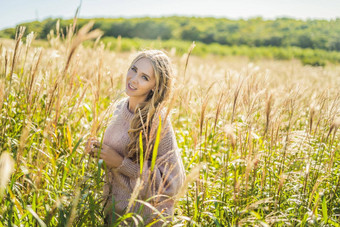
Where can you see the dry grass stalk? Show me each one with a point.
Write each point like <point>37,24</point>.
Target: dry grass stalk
<point>53,211</point>
<point>2,93</point>
<point>322,105</point>
<point>32,79</point>
<point>311,116</point>
<point>334,109</point>
<point>83,35</point>
<point>251,106</point>
<point>263,178</point>
<point>80,100</point>
<point>334,126</point>
<point>74,208</point>
<point>23,139</point>
<point>187,59</point>
<point>166,181</point>
<point>119,43</point>
<point>204,106</point>
<point>220,105</point>
<point>251,164</point>
<point>18,36</point>
<point>190,178</point>
<point>6,170</point>
<point>259,202</point>
<point>96,42</point>
<point>171,103</point>
<point>6,64</point>
<point>236,191</point>
<point>229,132</point>
<point>282,180</point>
<point>29,39</point>
<point>315,187</point>
<point>236,94</point>
<point>58,105</point>
<point>57,28</point>
<point>134,195</point>
<point>104,116</point>
<point>269,104</point>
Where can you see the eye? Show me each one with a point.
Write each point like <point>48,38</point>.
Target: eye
<point>133,68</point>
<point>145,78</point>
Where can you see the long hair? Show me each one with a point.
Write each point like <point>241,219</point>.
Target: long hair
<point>145,112</point>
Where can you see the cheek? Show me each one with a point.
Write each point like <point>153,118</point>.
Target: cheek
<point>128,76</point>
<point>150,85</point>
<point>144,84</point>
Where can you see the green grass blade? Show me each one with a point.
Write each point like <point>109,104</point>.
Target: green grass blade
<point>324,209</point>
<point>155,148</point>
<point>141,152</point>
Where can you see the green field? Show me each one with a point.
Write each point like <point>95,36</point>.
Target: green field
<point>259,138</point>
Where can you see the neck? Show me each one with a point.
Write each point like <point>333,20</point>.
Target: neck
<point>133,102</point>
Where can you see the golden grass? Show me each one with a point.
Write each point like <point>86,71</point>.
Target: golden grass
<point>266,131</point>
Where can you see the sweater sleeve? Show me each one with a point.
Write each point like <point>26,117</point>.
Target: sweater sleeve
<point>168,175</point>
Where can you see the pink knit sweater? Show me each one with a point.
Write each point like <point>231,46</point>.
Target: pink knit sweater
<point>166,179</point>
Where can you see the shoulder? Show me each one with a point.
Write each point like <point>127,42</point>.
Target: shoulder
<point>119,110</point>
<point>119,106</point>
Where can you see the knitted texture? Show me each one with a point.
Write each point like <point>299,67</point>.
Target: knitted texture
<point>162,184</point>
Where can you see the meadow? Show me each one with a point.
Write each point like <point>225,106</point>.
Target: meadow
<point>259,138</point>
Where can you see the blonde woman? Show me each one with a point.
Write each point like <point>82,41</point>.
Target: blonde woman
<point>148,84</point>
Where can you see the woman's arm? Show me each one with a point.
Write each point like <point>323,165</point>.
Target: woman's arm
<point>168,174</point>
<point>111,157</point>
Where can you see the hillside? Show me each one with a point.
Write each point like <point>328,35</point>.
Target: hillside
<point>255,32</point>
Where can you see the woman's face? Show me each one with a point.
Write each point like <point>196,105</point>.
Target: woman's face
<point>140,79</point>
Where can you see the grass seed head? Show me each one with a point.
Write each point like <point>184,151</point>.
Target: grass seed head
<point>2,93</point>
<point>6,169</point>
<point>334,126</point>
<point>229,132</point>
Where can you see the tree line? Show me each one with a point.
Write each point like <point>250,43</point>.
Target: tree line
<point>257,32</point>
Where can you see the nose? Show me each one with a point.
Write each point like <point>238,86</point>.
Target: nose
<point>133,79</point>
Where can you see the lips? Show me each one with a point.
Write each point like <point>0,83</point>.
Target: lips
<point>131,87</point>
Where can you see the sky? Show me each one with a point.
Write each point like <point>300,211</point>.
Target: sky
<point>13,12</point>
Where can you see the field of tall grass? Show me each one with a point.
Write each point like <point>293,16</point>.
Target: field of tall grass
<point>259,140</point>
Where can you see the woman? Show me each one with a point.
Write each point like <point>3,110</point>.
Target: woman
<point>148,85</point>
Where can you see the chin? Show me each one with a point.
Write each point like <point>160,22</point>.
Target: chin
<point>127,92</point>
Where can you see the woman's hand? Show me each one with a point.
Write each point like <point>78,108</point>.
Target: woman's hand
<point>111,157</point>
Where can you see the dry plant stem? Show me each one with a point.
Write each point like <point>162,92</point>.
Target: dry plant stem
<point>290,114</point>
<point>31,81</point>
<point>19,35</point>
<point>219,108</point>
<point>236,95</point>
<point>186,65</point>
<point>242,163</point>
<point>268,111</point>
<point>187,59</point>
<point>16,54</point>
<point>323,102</point>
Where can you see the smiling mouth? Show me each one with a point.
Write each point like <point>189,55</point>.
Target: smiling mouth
<point>131,87</point>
